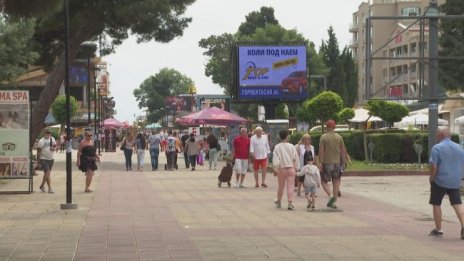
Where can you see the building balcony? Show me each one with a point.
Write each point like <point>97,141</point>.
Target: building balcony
<point>353,28</point>
<point>353,43</point>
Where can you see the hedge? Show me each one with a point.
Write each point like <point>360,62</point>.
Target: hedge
<point>390,146</point>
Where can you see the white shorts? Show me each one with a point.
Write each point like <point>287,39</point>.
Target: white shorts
<point>241,166</point>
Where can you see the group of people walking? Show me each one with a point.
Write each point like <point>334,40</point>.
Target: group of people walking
<point>194,150</point>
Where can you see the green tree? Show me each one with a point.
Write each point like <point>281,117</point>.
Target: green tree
<point>59,109</point>
<point>159,20</point>
<point>390,112</point>
<point>451,44</point>
<point>151,93</point>
<point>345,115</point>
<point>255,20</point>
<point>342,76</point>
<point>281,111</point>
<point>321,108</point>
<point>16,50</point>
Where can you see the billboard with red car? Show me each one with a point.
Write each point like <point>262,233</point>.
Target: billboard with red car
<point>272,73</point>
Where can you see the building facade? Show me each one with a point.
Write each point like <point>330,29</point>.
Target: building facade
<point>390,38</point>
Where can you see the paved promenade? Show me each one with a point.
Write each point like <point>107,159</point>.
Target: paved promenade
<point>183,215</point>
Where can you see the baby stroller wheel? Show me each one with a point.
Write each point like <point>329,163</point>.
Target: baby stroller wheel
<point>228,183</point>
<point>219,183</point>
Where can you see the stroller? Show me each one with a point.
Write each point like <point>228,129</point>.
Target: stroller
<point>226,173</point>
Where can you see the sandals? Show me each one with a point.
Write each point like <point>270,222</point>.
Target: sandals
<point>88,191</point>
<point>264,185</point>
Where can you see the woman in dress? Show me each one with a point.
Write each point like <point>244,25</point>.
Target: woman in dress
<point>285,160</point>
<point>87,159</point>
<point>303,146</point>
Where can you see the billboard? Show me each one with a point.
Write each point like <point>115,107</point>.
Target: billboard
<point>190,103</point>
<point>272,73</point>
<point>14,134</point>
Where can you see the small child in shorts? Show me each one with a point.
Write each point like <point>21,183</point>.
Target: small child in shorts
<point>312,180</point>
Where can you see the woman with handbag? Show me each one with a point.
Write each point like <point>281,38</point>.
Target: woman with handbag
<point>87,158</point>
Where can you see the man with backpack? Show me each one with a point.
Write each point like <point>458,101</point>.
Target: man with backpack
<point>46,146</point>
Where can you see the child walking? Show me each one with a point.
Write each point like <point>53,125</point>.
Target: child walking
<point>312,180</point>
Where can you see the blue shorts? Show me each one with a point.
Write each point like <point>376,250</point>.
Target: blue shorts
<point>310,189</point>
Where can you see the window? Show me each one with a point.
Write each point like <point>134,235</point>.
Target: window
<point>413,47</point>
<point>411,11</point>
<point>413,67</point>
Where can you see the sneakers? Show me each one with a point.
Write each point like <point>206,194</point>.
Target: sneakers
<point>436,233</point>
<point>290,206</point>
<point>331,201</point>
<point>241,186</point>
<point>313,207</point>
<point>51,191</point>
<point>277,203</point>
<point>264,185</point>
<point>42,189</point>
<point>236,184</point>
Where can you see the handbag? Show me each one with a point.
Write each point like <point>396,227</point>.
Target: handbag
<point>123,145</point>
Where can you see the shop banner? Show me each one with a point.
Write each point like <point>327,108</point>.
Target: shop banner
<point>14,134</point>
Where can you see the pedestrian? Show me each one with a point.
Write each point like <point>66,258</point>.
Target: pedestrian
<point>46,148</point>
<point>241,153</point>
<point>259,149</point>
<point>285,160</point>
<point>193,149</point>
<point>185,137</point>
<point>446,166</point>
<point>163,136</point>
<point>178,146</point>
<point>312,180</point>
<point>303,146</point>
<point>128,144</point>
<point>213,145</point>
<point>87,159</point>
<point>154,141</point>
<point>332,153</point>
<point>170,151</point>
<point>141,146</point>
<point>62,141</point>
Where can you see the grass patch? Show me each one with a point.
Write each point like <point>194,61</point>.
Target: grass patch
<point>375,166</point>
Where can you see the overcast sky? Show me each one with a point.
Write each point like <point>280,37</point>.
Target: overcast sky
<point>132,63</point>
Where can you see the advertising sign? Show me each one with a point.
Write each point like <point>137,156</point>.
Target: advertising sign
<point>110,140</point>
<point>272,73</point>
<point>189,103</point>
<point>14,134</point>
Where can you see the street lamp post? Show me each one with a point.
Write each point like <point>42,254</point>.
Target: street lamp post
<point>69,204</point>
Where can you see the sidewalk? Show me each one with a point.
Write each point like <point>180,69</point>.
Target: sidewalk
<point>183,215</point>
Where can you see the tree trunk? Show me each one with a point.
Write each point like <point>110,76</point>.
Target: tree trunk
<point>52,86</point>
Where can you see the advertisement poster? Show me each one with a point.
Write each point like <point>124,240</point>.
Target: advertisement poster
<point>14,134</point>
<point>272,73</point>
<point>110,140</point>
<point>186,104</point>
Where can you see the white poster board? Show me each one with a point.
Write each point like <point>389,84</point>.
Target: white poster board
<point>14,134</point>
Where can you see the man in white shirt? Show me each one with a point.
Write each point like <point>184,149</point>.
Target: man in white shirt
<point>46,146</point>
<point>259,149</point>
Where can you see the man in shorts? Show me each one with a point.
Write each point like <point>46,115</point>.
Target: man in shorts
<point>241,152</point>
<point>446,168</point>
<point>332,153</point>
<point>46,147</point>
<point>259,149</point>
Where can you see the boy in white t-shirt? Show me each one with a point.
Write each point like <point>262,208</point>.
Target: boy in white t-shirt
<point>312,180</point>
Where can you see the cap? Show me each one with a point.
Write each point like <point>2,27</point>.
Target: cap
<point>330,124</point>
<point>47,130</point>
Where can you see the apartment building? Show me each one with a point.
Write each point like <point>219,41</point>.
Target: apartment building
<point>395,38</point>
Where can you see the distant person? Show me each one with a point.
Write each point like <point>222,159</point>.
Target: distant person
<point>170,151</point>
<point>312,180</point>
<point>213,142</point>
<point>141,146</point>
<point>193,149</point>
<point>301,148</point>
<point>241,154</point>
<point>87,159</point>
<point>46,147</point>
<point>62,142</point>
<point>285,161</point>
<point>332,153</point>
<point>446,168</point>
<point>154,141</point>
<point>129,145</point>
<point>259,149</point>
<point>185,137</point>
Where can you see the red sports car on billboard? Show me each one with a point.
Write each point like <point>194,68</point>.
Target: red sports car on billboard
<point>296,82</point>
